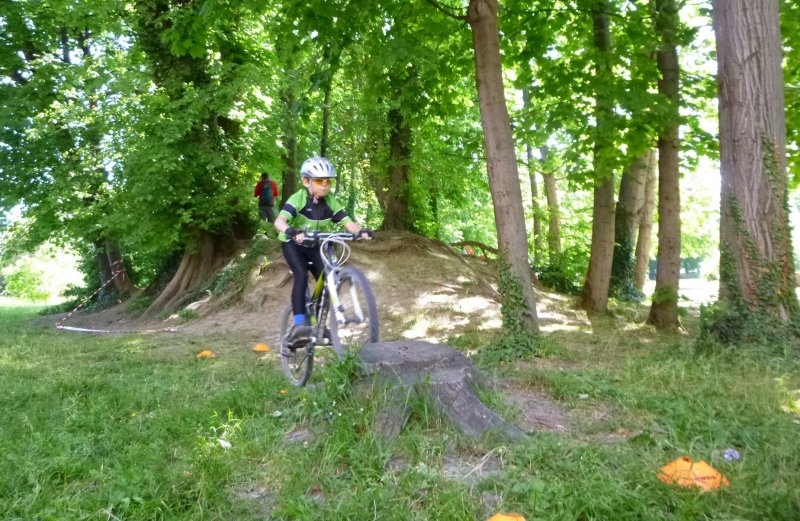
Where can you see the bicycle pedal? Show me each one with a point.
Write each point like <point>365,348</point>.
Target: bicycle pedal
<point>297,344</point>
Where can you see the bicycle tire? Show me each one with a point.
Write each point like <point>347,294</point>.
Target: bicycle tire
<point>354,288</point>
<point>296,363</point>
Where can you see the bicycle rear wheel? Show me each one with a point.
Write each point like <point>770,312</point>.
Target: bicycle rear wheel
<point>296,363</point>
<point>357,305</point>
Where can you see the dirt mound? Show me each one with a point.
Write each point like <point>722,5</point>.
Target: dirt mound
<point>425,290</point>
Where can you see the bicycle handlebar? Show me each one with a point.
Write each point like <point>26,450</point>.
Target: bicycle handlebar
<point>318,236</point>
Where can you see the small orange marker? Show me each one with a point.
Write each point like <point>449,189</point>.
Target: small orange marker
<point>506,517</point>
<point>687,473</point>
<point>261,348</point>
<point>206,353</point>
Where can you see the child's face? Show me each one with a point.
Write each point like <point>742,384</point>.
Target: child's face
<point>318,187</point>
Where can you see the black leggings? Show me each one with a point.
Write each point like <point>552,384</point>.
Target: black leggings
<point>298,257</point>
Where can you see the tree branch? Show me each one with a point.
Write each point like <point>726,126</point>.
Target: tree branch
<point>441,8</point>
<point>486,249</point>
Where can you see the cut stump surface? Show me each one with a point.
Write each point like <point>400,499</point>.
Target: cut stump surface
<point>443,374</point>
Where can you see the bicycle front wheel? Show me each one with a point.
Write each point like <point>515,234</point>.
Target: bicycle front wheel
<point>356,323</point>
<point>295,361</point>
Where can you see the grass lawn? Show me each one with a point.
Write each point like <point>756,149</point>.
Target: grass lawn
<point>136,427</point>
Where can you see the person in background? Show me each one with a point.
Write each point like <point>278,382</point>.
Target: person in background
<point>312,208</point>
<point>267,191</point>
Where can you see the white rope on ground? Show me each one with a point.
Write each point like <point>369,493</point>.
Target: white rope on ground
<point>118,331</point>
<point>114,274</point>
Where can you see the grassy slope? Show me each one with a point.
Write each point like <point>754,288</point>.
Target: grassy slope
<point>128,427</point>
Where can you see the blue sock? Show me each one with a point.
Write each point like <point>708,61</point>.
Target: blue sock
<point>299,319</point>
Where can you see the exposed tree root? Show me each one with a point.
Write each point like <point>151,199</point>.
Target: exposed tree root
<point>196,268</point>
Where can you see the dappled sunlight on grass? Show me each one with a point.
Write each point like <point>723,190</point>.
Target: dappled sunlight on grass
<point>10,363</point>
<point>565,327</point>
<point>790,399</point>
<point>793,406</point>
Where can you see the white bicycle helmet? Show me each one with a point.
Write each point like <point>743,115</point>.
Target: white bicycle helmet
<point>317,168</point>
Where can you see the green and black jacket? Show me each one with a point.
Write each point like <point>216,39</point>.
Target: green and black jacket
<point>304,214</point>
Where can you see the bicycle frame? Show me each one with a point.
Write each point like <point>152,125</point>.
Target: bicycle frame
<point>327,282</point>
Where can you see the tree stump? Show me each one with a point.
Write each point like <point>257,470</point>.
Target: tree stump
<point>441,374</point>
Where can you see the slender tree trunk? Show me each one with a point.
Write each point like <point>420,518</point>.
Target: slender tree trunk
<point>434,206</point>
<point>756,260</point>
<point>598,277</point>
<point>626,224</point>
<point>502,164</point>
<point>537,214</point>
<point>396,197</point>
<point>553,208</point>
<point>289,181</point>
<point>377,154</point>
<point>331,57</point>
<point>646,225</point>
<point>326,117</point>
<point>664,309</point>
<point>537,218</point>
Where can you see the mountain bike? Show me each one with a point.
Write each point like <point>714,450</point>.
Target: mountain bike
<point>341,309</point>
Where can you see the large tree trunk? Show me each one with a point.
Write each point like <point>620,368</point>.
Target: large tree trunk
<point>664,309</point>
<point>502,164</point>
<point>756,261</point>
<point>644,240</point>
<point>553,208</point>
<point>595,290</point>
<point>395,201</point>
<point>626,224</point>
<point>207,255</point>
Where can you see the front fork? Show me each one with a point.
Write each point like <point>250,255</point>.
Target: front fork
<point>336,304</point>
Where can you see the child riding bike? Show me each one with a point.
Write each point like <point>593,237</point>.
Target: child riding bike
<point>310,209</point>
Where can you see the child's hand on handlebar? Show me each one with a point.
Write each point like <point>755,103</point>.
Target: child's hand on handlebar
<point>294,235</point>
